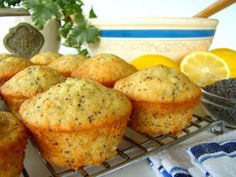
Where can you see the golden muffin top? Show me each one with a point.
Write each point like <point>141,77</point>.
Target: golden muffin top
<point>10,128</point>
<point>75,105</point>
<point>158,84</point>
<point>66,64</point>
<point>104,68</point>
<point>4,56</point>
<point>31,81</point>
<point>45,58</point>
<point>11,65</point>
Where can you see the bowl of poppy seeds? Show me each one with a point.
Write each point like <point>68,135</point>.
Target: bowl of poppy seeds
<point>219,101</point>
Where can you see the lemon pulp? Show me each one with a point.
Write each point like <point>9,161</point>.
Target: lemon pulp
<point>204,68</point>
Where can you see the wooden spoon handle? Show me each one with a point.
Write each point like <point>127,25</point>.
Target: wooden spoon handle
<point>214,8</point>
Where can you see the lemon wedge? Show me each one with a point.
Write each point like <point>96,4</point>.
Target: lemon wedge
<point>204,68</point>
<point>147,61</point>
<point>229,56</point>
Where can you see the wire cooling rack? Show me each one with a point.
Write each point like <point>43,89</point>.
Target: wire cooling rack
<point>136,146</point>
<point>25,173</point>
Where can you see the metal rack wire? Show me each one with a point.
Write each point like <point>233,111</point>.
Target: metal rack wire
<point>136,146</point>
<point>25,173</point>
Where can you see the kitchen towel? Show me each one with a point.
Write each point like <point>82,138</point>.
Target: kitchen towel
<point>168,167</point>
<point>157,167</point>
<point>215,159</point>
<point>174,169</point>
<point>181,159</point>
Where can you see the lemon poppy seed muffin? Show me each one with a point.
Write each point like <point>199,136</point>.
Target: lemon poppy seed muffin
<point>27,83</point>
<point>4,56</point>
<point>66,64</point>
<point>10,66</point>
<point>104,68</point>
<point>45,58</point>
<point>13,140</point>
<point>77,123</point>
<point>163,99</point>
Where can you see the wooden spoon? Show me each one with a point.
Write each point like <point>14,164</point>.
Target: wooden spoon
<point>214,8</point>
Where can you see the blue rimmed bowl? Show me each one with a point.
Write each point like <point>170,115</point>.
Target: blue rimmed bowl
<point>173,37</point>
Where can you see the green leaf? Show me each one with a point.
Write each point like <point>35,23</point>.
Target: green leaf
<point>76,36</point>
<point>92,14</point>
<point>74,11</point>
<point>2,4</point>
<point>42,11</point>
<point>13,2</point>
<point>9,3</point>
<point>83,52</point>
<point>92,34</point>
<point>80,34</point>
<point>76,31</point>
<point>64,30</point>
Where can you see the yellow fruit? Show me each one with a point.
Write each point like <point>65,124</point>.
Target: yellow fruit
<point>229,56</point>
<point>204,68</point>
<point>147,61</point>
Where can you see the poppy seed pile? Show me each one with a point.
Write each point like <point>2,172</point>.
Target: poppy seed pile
<point>223,107</point>
<point>225,88</point>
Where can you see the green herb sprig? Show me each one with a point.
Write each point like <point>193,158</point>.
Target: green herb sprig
<point>74,27</point>
<point>9,3</point>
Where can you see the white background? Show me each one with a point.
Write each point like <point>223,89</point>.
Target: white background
<point>226,31</point>
<point>225,36</point>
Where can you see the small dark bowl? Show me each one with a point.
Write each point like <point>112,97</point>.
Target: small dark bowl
<point>220,107</point>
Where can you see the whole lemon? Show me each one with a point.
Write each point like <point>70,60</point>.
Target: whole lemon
<point>229,56</point>
<point>147,61</point>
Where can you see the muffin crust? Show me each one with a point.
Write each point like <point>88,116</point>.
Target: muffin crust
<point>158,84</point>
<point>104,68</point>
<point>27,83</point>
<point>77,123</point>
<point>163,99</point>
<point>13,138</point>
<point>45,58</point>
<point>4,56</point>
<point>66,64</point>
<point>10,66</point>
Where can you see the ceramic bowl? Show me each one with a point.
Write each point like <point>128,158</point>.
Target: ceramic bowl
<point>173,37</point>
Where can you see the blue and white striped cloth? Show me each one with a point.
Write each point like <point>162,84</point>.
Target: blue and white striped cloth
<point>214,159</point>
<point>168,168</point>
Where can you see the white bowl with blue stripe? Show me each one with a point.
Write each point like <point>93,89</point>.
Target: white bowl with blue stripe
<point>173,37</point>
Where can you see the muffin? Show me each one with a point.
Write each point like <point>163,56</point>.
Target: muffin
<point>104,68</point>
<point>67,63</point>
<point>4,56</point>
<point>163,99</point>
<point>27,83</point>
<point>13,140</point>
<point>10,66</point>
<point>77,123</point>
<point>45,58</point>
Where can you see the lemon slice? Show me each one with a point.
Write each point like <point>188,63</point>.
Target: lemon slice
<point>229,56</point>
<point>204,68</point>
<point>147,61</point>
